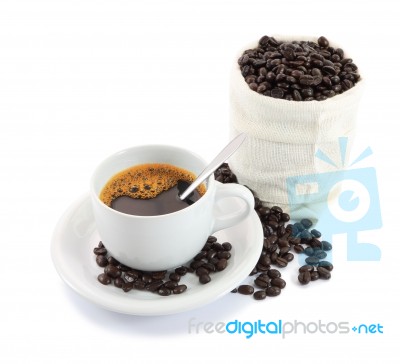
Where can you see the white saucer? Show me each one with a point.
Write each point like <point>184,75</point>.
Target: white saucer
<point>75,236</point>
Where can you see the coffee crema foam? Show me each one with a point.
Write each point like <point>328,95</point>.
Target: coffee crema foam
<point>146,181</point>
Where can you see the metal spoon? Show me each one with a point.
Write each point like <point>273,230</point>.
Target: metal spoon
<point>216,162</point>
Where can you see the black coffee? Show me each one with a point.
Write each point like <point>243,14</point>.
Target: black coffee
<point>149,190</point>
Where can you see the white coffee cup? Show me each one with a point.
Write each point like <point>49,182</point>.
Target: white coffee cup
<point>163,241</point>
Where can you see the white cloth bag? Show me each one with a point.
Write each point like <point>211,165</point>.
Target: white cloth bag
<point>283,136</point>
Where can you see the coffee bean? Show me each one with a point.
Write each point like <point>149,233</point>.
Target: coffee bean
<point>118,282</point>
<point>223,255</point>
<point>245,289</point>
<point>326,245</point>
<point>309,251</point>
<point>154,286</point>
<point>100,251</point>
<point>273,273</point>
<point>221,265</point>
<point>277,93</point>
<point>324,273</point>
<point>101,261</point>
<point>104,279</point>
<point>199,272</point>
<point>278,282</point>
<point>204,278</point>
<point>170,284</point>
<point>163,291</point>
<point>126,287</point>
<point>181,271</point>
<point>315,233</point>
<point>175,277</point>
<point>261,282</point>
<point>180,289</point>
<point>139,285</point>
<point>323,42</point>
<point>112,271</point>
<point>312,260</point>
<point>325,264</point>
<point>260,295</point>
<point>306,268</point>
<point>227,246</point>
<point>320,254</point>
<point>280,262</point>
<point>273,291</point>
<point>304,277</point>
<point>298,249</point>
<point>314,275</point>
<point>288,257</point>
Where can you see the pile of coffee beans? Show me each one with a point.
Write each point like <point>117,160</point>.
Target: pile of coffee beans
<point>213,258</point>
<point>298,70</point>
<point>280,239</point>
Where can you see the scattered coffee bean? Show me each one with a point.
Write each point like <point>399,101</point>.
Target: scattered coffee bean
<point>245,289</point>
<point>164,291</point>
<point>278,282</point>
<point>112,271</point>
<point>326,245</point>
<point>204,278</point>
<point>118,282</point>
<point>180,289</point>
<point>273,291</point>
<point>314,275</point>
<point>326,265</point>
<point>274,273</point>
<point>260,295</point>
<point>101,261</point>
<point>304,277</point>
<point>312,260</point>
<point>104,279</point>
<point>324,273</point>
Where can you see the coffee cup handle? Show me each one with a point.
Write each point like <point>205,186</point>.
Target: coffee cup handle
<point>225,220</point>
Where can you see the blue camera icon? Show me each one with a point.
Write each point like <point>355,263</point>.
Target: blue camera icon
<point>343,201</point>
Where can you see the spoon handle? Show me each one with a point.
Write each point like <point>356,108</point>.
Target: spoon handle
<point>225,153</point>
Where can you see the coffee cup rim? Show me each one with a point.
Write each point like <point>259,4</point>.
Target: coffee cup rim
<point>209,181</point>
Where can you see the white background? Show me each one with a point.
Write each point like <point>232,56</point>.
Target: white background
<point>82,79</point>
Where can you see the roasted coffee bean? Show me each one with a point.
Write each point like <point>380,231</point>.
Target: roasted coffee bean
<point>181,271</point>
<point>104,279</point>
<point>118,282</point>
<point>112,271</point>
<point>200,255</point>
<point>265,260</point>
<point>199,271</point>
<point>101,261</point>
<point>320,254</point>
<point>306,268</point>
<point>227,246</point>
<point>314,275</point>
<point>305,234</point>
<point>315,233</point>
<point>284,251</point>
<point>180,289</point>
<point>309,251</point>
<point>223,255</point>
<point>312,260</point>
<point>277,93</point>
<point>325,264</point>
<point>170,284</point>
<point>304,277</point>
<point>175,277</point>
<point>298,248</point>
<point>126,287</point>
<point>315,243</point>
<point>278,282</point>
<point>245,289</point>
<point>260,282</point>
<point>273,291</point>
<point>306,223</point>
<point>324,273</point>
<point>146,278</point>
<point>210,267</point>
<point>280,262</point>
<point>100,251</point>
<point>196,264</point>
<point>260,295</point>
<point>204,278</point>
<point>154,286</point>
<point>158,275</point>
<point>133,274</point>
<point>323,42</point>
<point>288,257</point>
<point>273,273</point>
<point>128,278</point>
<point>326,245</point>
<point>139,285</point>
<point>164,291</point>
<point>211,239</point>
<point>221,265</point>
